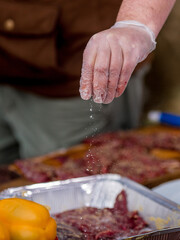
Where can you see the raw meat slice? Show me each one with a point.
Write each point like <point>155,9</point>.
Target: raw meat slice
<point>106,223</point>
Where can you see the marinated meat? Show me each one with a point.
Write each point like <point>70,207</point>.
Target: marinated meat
<point>135,162</point>
<point>67,232</point>
<point>125,153</point>
<point>107,223</point>
<point>164,140</point>
<point>40,172</point>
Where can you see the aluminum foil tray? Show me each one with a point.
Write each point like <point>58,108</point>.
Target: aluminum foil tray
<point>100,191</point>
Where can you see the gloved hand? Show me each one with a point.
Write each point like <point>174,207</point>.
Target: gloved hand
<point>110,57</point>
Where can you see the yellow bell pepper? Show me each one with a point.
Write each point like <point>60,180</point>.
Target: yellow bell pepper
<point>4,234</point>
<point>25,220</point>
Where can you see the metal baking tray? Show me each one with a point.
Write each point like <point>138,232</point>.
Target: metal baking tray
<point>100,191</point>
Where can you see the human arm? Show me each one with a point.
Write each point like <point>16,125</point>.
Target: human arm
<point>111,56</point>
<point>151,13</point>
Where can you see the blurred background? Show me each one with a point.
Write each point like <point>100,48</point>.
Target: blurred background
<point>40,66</point>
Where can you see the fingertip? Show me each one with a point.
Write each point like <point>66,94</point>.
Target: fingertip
<point>117,95</point>
<point>107,101</point>
<point>110,97</point>
<point>119,91</point>
<point>99,95</point>
<point>85,94</point>
<point>97,99</point>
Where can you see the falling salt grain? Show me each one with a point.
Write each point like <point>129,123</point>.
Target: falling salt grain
<point>89,154</point>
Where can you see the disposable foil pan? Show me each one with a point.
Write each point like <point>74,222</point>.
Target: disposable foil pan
<point>100,191</point>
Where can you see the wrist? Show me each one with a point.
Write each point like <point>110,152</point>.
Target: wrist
<point>122,24</point>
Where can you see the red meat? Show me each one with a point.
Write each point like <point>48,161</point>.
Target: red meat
<point>107,223</point>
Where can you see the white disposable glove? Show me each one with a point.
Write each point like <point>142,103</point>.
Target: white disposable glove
<point>110,57</point>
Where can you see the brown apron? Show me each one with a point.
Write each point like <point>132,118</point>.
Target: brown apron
<point>42,42</point>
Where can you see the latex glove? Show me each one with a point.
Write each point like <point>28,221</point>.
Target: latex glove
<point>110,57</point>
